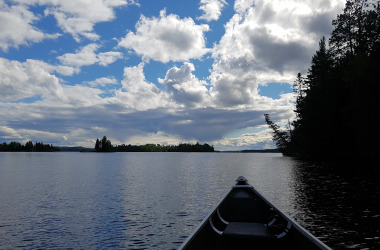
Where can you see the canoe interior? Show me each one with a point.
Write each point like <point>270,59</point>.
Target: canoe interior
<point>245,204</point>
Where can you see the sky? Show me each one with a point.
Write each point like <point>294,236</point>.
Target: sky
<point>154,71</point>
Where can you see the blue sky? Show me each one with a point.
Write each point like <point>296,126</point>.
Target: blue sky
<point>154,71</point>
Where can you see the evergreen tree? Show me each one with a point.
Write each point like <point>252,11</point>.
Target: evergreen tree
<point>97,145</point>
<point>104,145</point>
<point>357,75</point>
<point>29,146</point>
<point>356,30</point>
<point>314,106</point>
<point>281,138</point>
<point>336,106</point>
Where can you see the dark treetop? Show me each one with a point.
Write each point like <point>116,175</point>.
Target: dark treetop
<point>28,147</point>
<point>337,104</point>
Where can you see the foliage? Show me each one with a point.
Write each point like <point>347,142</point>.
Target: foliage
<point>183,147</point>
<point>282,138</point>
<point>104,145</point>
<point>28,147</point>
<point>336,105</point>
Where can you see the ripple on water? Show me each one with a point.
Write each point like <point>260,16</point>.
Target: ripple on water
<point>154,201</point>
<point>182,214</point>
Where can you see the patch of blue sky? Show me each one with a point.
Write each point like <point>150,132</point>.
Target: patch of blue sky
<point>186,9</point>
<point>45,23</point>
<point>107,93</point>
<point>202,67</point>
<point>275,90</point>
<point>29,99</point>
<point>124,22</point>
<point>217,29</point>
<point>91,73</point>
<point>154,70</point>
<point>47,50</point>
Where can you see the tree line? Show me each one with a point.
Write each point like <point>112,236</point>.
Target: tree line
<point>27,147</point>
<point>336,105</point>
<point>105,145</point>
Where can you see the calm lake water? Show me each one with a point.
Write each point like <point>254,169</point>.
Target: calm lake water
<point>155,200</point>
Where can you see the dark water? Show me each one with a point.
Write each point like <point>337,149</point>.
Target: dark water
<point>155,200</point>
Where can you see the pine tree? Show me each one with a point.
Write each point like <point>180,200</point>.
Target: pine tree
<point>97,145</point>
<point>106,145</point>
<point>335,106</point>
<point>281,138</point>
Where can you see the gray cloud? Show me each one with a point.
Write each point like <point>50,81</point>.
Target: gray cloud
<point>279,55</point>
<point>64,124</point>
<point>320,24</point>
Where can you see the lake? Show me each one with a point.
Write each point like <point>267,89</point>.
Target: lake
<point>155,200</point>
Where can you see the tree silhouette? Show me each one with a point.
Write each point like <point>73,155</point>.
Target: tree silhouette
<point>336,106</point>
<point>28,147</point>
<point>281,138</point>
<point>97,145</point>
<point>104,145</point>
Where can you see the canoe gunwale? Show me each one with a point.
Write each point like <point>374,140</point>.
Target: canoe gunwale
<point>204,222</point>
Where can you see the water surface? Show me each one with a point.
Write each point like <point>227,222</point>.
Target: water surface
<point>155,200</point>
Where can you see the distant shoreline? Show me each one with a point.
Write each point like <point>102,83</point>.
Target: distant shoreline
<point>92,150</point>
<point>252,151</point>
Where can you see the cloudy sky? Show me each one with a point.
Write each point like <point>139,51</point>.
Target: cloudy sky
<point>154,71</point>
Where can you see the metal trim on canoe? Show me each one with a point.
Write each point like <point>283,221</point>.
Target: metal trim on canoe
<point>241,183</point>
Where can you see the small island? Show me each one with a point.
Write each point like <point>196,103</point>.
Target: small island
<point>105,145</point>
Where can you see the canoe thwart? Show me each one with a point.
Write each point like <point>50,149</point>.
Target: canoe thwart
<point>250,230</point>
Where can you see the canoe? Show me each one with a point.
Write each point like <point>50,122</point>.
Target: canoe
<point>244,219</point>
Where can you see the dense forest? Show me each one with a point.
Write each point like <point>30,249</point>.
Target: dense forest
<point>337,106</point>
<point>105,145</point>
<point>28,147</point>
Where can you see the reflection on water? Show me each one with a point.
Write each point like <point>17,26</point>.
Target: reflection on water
<point>343,209</point>
<point>155,200</point>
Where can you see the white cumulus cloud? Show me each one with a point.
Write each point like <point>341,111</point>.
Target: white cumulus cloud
<point>16,27</point>
<point>268,41</point>
<point>185,87</point>
<point>167,38</point>
<point>87,56</point>
<point>29,79</point>
<point>137,93</point>
<point>103,81</point>
<point>212,9</point>
<point>78,17</point>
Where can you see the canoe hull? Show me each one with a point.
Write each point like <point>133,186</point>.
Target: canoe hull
<point>243,205</point>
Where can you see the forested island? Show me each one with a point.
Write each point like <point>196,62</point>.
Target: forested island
<point>28,147</point>
<point>105,145</point>
<point>337,101</point>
